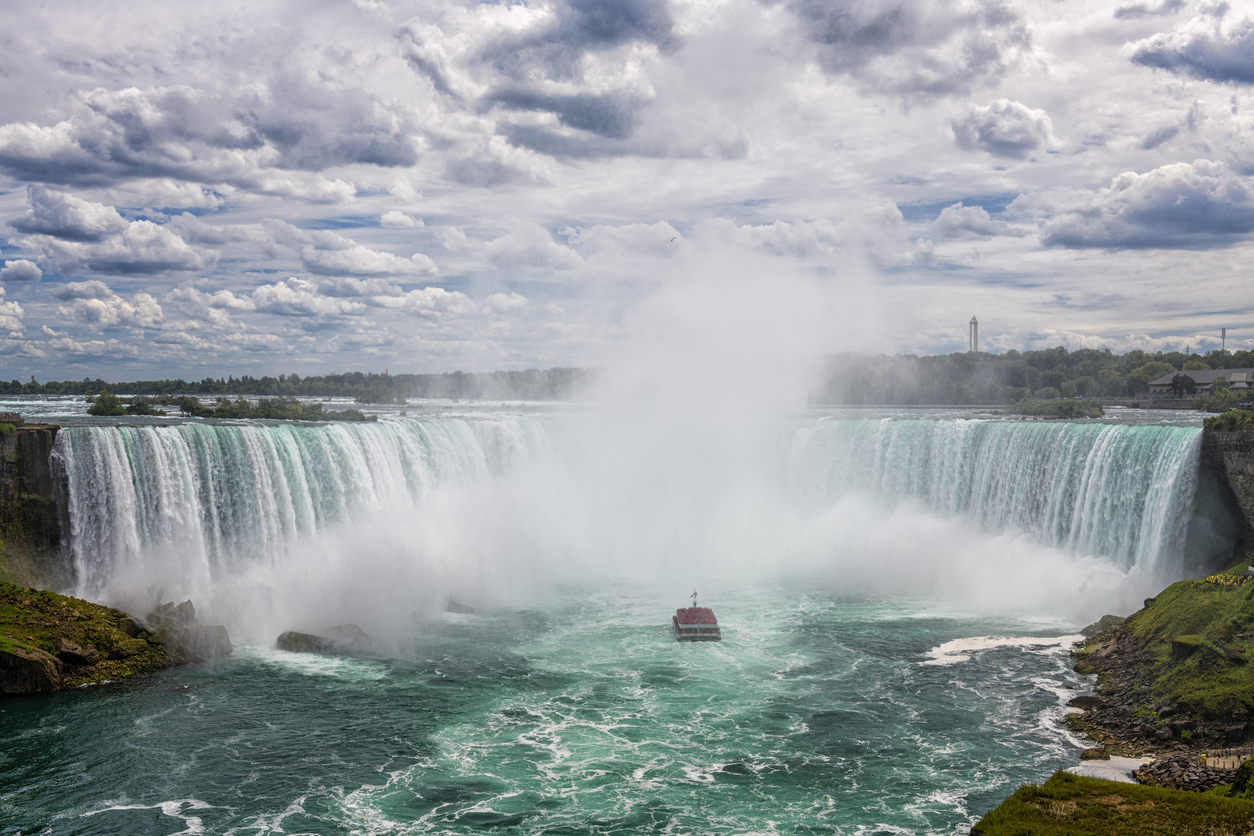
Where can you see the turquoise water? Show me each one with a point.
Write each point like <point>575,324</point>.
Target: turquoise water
<point>814,715</point>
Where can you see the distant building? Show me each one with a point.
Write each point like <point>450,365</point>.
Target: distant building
<point>1204,379</point>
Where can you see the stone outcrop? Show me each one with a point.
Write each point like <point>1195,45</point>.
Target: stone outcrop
<point>1231,456</point>
<point>30,517</point>
<point>28,670</point>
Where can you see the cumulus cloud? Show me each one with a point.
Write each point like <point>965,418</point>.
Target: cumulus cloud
<point>75,233</point>
<point>915,48</point>
<point>65,216</point>
<point>1205,47</point>
<point>505,302</point>
<point>300,297</point>
<point>1204,203</point>
<point>96,306</point>
<point>20,270</point>
<point>11,314</point>
<point>359,260</point>
<point>530,248</point>
<point>1003,128</point>
<point>396,219</point>
<point>959,221</point>
<point>309,298</point>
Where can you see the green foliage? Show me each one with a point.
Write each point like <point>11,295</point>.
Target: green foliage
<point>1047,393</point>
<point>7,429</point>
<point>142,406</point>
<point>106,403</point>
<point>1194,366</point>
<point>1073,805</point>
<point>279,409</point>
<point>1230,421</point>
<point>1057,409</point>
<point>1221,401</point>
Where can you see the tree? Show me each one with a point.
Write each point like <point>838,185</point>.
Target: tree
<point>1183,385</point>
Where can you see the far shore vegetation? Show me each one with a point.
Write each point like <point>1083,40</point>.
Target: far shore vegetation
<point>967,378</point>
<point>283,409</point>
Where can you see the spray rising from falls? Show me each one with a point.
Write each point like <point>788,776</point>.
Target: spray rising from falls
<point>1120,492</point>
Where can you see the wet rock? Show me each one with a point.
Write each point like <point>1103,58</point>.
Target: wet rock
<point>130,627</point>
<point>1088,702</point>
<point>1103,623</point>
<point>28,670</point>
<point>308,643</point>
<point>71,653</point>
<point>178,631</point>
<point>1097,753</point>
<point>454,605</point>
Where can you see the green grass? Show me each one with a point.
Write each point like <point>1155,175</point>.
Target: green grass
<point>1192,634</point>
<point>1072,805</point>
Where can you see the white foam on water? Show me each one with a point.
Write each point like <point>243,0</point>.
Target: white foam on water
<point>313,664</point>
<point>1115,769</point>
<point>193,825</point>
<point>960,650</point>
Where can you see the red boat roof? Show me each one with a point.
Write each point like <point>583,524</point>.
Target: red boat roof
<point>695,615</point>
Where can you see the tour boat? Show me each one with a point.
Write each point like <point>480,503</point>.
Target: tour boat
<point>696,624</point>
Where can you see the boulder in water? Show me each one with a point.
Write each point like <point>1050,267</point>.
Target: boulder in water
<point>1103,623</point>
<point>177,629</point>
<point>309,643</point>
<point>74,654</point>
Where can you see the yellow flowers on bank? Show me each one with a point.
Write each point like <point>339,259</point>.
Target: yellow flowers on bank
<point>1229,580</point>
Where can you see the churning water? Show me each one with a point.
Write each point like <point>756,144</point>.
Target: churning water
<point>898,597</point>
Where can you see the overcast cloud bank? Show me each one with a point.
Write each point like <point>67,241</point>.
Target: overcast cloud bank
<point>425,186</point>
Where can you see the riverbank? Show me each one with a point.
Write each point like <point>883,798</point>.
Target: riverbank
<point>1173,682</point>
<point>49,642</point>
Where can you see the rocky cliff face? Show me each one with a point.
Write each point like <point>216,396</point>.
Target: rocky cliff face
<point>30,521</point>
<point>1231,456</point>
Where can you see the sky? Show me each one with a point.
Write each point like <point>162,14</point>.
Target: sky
<point>333,185</point>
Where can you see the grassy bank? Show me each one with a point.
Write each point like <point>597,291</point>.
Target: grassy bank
<point>1072,805</point>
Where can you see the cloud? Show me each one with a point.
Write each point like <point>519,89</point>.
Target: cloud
<point>395,219</point>
<point>299,297</point>
<point>75,233</point>
<point>1136,10</point>
<point>247,136</point>
<point>505,302</point>
<point>1203,48</point>
<point>97,307</point>
<point>20,270</point>
<point>67,217</point>
<point>1178,205</point>
<point>915,48</point>
<point>960,221</point>
<point>1003,128</point>
<point>359,260</point>
<point>528,248</point>
<point>11,314</point>
<point>93,289</point>
<point>308,298</point>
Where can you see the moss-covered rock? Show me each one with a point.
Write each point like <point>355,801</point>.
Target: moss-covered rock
<point>50,641</point>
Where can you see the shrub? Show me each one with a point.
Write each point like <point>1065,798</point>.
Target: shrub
<point>106,403</point>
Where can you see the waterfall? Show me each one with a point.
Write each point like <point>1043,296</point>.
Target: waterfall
<point>221,495</point>
<point>1125,493</point>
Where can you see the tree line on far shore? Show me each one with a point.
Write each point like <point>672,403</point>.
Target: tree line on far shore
<point>366,388</point>
<point>982,378</point>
